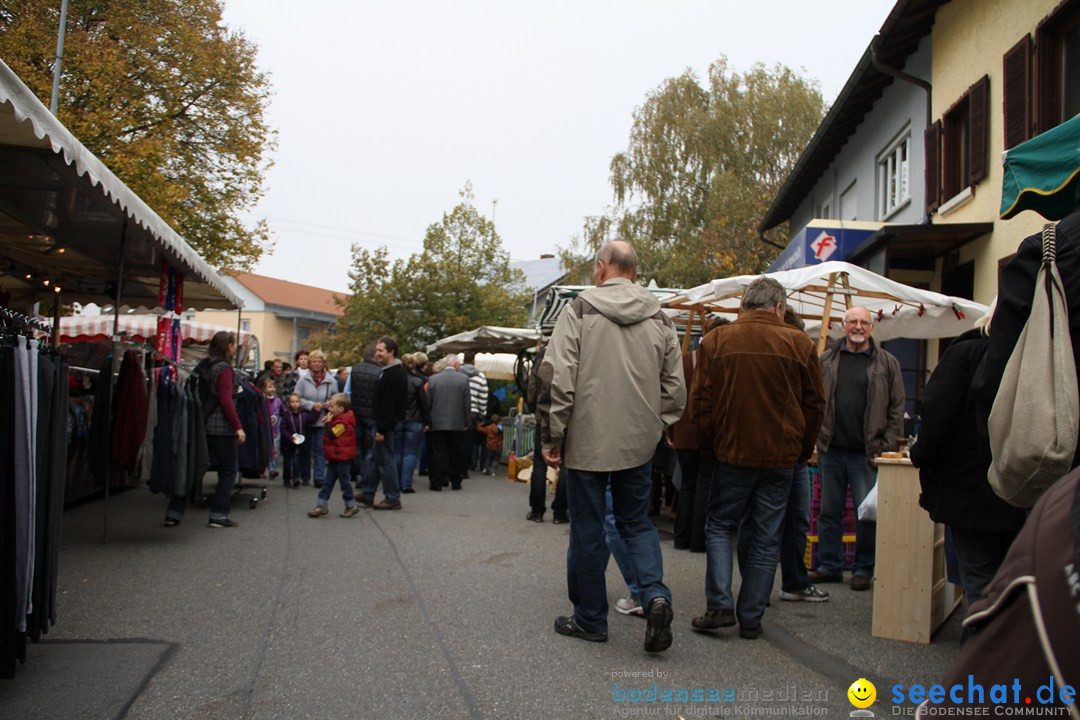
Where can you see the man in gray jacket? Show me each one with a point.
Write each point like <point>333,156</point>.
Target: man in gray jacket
<point>612,382</point>
<point>450,412</point>
<point>864,417</point>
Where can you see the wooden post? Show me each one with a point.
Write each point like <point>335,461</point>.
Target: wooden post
<point>823,334</point>
<point>690,327</point>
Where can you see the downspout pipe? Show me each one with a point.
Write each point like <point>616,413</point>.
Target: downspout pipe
<point>881,67</point>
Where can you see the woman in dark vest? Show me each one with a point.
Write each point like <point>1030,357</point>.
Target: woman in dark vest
<point>224,434</point>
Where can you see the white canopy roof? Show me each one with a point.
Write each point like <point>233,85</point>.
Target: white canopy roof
<point>55,193</point>
<point>826,290</point>
<point>488,338</point>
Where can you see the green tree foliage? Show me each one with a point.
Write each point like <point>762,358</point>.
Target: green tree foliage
<point>460,280</point>
<point>701,169</point>
<point>168,97</point>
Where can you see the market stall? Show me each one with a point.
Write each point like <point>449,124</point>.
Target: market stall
<point>70,231</point>
<point>821,294</point>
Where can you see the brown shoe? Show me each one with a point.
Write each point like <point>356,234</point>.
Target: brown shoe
<point>714,620</point>
<point>860,582</point>
<point>817,577</point>
<point>387,505</point>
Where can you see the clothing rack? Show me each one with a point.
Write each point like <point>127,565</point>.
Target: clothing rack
<point>25,321</point>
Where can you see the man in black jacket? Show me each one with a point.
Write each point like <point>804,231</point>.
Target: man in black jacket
<point>360,387</point>
<point>391,399</point>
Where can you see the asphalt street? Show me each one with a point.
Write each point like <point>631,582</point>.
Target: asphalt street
<point>443,609</point>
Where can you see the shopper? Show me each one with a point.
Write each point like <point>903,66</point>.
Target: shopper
<point>315,389</point>
<point>224,434</point>
<point>339,447</point>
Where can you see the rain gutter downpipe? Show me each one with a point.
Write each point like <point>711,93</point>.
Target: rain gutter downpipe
<point>901,75</point>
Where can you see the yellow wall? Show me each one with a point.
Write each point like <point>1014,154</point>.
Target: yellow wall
<point>969,39</point>
<point>274,333</point>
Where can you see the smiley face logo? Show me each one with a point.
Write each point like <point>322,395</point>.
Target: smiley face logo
<point>862,693</point>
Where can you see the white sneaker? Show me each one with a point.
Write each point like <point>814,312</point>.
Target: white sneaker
<point>629,606</point>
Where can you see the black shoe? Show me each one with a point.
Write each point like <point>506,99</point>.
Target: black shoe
<point>318,483</point>
<point>434,487</point>
<point>750,633</point>
<point>407,491</point>
<point>456,486</point>
<point>681,546</point>
<point>658,631</point>
<point>226,523</point>
<point>364,502</point>
<point>446,483</point>
<point>171,522</point>
<point>566,626</point>
<point>535,517</point>
<point>560,520</point>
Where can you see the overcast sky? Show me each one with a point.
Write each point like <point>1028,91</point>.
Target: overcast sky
<point>385,109</point>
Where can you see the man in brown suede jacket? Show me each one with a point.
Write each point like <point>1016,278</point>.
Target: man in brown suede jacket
<point>758,395</point>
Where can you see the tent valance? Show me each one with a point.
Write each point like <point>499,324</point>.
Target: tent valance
<point>1043,174</point>
<point>138,328</point>
<point>66,218</point>
<point>820,294</point>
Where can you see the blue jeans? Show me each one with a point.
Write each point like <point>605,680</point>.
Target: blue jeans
<point>385,471</point>
<point>225,455</point>
<point>734,489</point>
<point>792,537</point>
<point>617,548</point>
<point>365,447</point>
<point>337,473</point>
<point>312,449</point>
<point>587,556</point>
<point>407,451</point>
<point>840,468</point>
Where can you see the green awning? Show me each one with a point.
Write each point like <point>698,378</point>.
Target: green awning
<point>1043,173</point>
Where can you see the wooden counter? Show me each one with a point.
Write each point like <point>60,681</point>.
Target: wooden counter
<point>912,597</point>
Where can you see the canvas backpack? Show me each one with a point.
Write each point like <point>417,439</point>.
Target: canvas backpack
<point>204,380</point>
<point>1034,421</point>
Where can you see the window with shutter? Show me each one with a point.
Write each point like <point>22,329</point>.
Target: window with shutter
<point>1016,89</point>
<point>1058,66</point>
<point>932,144</point>
<point>956,148</point>
<point>979,119</point>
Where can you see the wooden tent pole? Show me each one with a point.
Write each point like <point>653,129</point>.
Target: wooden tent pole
<point>823,333</point>
<point>689,328</point>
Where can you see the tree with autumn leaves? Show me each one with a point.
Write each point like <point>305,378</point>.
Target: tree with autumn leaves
<point>461,280</point>
<point>169,98</point>
<point>702,166</point>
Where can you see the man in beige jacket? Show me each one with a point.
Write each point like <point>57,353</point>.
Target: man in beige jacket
<point>612,382</point>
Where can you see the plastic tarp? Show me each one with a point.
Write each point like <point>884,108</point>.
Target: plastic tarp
<point>898,310</point>
<point>488,338</point>
<point>56,193</point>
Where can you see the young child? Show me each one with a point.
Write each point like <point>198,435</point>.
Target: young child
<point>276,408</point>
<point>339,447</point>
<point>292,427</point>
<point>493,444</point>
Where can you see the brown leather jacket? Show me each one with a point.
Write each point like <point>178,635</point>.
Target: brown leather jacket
<point>758,393</point>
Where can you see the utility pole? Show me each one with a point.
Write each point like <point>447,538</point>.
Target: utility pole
<point>55,102</point>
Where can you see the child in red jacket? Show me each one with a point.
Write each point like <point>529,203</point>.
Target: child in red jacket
<point>339,448</point>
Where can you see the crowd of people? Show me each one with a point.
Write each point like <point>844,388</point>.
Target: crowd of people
<point>746,412</point>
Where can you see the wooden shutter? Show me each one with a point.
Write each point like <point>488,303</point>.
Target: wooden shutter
<point>1016,101</point>
<point>932,145</point>
<point>979,115</point>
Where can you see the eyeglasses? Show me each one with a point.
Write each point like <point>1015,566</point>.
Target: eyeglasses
<point>860,323</point>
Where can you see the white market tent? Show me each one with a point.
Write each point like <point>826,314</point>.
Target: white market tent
<point>821,293</point>
<point>488,338</point>
<point>67,219</point>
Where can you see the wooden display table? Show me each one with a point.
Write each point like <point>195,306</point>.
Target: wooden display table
<point>912,597</point>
